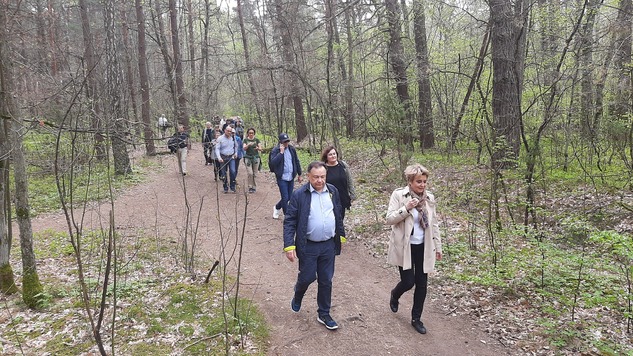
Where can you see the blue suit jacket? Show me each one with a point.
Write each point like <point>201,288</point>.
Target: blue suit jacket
<point>296,218</point>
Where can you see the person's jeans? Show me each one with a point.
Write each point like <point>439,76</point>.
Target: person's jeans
<point>285,190</point>
<point>414,277</point>
<point>228,164</point>
<point>317,264</point>
<point>237,165</point>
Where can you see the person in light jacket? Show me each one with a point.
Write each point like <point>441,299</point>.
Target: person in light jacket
<point>414,244</point>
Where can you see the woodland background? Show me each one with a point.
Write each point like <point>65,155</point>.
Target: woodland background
<point>532,98</point>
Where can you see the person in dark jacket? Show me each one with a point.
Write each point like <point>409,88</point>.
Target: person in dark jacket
<point>183,144</point>
<point>338,174</point>
<point>208,138</point>
<point>284,162</point>
<point>313,233</point>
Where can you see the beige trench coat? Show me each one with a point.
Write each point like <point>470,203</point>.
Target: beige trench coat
<point>401,222</point>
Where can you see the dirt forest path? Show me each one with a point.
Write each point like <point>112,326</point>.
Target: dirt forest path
<point>361,282</point>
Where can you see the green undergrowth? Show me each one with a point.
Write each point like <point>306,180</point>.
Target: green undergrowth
<point>87,185</point>
<point>82,177</point>
<point>161,309</point>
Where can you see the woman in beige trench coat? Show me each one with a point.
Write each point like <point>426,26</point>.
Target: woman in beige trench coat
<point>414,244</point>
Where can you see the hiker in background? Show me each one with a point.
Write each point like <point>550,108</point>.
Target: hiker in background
<point>252,161</point>
<point>212,153</point>
<point>415,242</point>
<point>183,143</point>
<point>229,122</point>
<point>284,162</point>
<point>226,151</point>
<point>338,175</point>
<point>208,138</point>
<point>163,125</point>
<point>240,151</point>
<point>239,127</point>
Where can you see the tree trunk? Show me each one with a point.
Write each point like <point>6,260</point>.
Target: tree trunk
<point>52,38</point>
<point>349,79</point>
<point>92,82</point>
<point>549,11</point>
<point>117,128</point>
<point>332,107</point>
<point>589,104</point>
<point>507,36</point>
<point>291,67</point>
<point>41,34</point>
<point>622,61</point>
<point>31,287</point>
<point>427,136</point>
<point>161,40</point>
<point>148,133</point>
<point>195,93</point>
<point>204,45</point>
<point>247,60</point>
<point>129,74</point>
<point>483,50</point>
<point>181,103</point>
<point>192,47</point>
<point>399,68</point>
<point>7,282</point>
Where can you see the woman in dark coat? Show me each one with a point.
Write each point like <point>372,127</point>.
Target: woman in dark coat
<point>338,175</point>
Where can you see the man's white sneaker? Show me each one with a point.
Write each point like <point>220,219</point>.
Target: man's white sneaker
<point>275,213</point>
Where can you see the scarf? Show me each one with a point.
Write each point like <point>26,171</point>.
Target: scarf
<point>421,208</point>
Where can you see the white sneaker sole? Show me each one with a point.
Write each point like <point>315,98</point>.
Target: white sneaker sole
<point>324,324</point>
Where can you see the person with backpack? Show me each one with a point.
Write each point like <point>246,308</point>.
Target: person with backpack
<point>212,153</point>
<point>284,162</point>
<point>252,148</point>
<point>226,151</point>
<point>183,142</point>
<point>240,150</point>
<point>239,128</point>
<point>208,136</point>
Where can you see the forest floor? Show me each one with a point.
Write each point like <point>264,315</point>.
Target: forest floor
<point>362,280</point>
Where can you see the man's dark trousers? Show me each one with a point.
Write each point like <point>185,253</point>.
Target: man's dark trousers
<point>317,264</point>
<point>285,190</point>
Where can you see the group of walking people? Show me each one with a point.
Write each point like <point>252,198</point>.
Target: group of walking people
<point>314,230</point>
<point>225,148</point>
<point>314,213</point>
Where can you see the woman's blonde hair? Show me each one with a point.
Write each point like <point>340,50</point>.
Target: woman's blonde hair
<point>415,169</point>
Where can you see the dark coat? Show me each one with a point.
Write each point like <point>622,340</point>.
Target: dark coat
<point>296,219</point>
<point>277,162</point>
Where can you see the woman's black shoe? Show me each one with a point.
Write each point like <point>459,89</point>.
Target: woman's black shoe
<point>393,303</point>
<point>418,326</point>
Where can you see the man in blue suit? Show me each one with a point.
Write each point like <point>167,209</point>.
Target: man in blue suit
<point>313,233</point>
